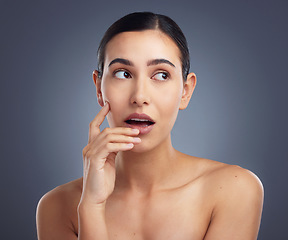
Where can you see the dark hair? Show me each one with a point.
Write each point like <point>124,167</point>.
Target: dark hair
<point>140,21</point>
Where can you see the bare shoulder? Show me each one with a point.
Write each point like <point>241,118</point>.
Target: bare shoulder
<point>231,185</point>
<point>62,194</point>
<point>236,198</point>
<point>221,181</point>
<point>57,209</point>
<point>235,179</point>
<point>222,175</point>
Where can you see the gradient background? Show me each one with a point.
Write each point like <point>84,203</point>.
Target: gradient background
<point>238,114</point>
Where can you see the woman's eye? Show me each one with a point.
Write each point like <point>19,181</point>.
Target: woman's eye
<point>161,76</point>
<point>121,74</point>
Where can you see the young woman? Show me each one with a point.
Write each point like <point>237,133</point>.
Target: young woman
<point>135,185</point>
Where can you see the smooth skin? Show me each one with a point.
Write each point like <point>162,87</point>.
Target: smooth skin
<point>137,186</point>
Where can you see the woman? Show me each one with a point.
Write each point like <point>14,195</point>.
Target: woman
<point>135,185</point>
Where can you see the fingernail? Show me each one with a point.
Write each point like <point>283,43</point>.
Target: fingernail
<point>135,130</point>
<point>129,145</point>
<point>136,139</point>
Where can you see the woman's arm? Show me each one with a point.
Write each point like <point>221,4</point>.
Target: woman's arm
<point>88,218</point>
<point>98,184</point>
<point>99,174</point>
<point>238,209</point>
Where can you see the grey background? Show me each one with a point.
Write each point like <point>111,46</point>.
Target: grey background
<point>237,115</point>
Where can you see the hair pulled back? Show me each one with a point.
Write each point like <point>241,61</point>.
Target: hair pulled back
<point>140,21</point>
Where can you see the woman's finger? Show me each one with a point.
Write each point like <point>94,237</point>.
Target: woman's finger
<point>106,150</point>
<point>120,131</point>
<point>95,147</point>
<point>117,138</point>
<point>111,138</point>
<point>94,127</point>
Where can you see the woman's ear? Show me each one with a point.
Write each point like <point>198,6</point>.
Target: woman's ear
<point>97,82</point>
<point>188,89</point>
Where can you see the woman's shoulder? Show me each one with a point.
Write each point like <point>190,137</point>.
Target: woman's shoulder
<point>233,175</point>
<point>234,196</point>
<point>227,179</point>
<point>59,206</point>
<point>63,192</point>
<point>219,175</point>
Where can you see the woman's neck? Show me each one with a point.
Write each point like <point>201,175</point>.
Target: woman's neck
<point>148,171</point>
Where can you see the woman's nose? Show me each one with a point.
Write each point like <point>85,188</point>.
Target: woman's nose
<point>140,93</point>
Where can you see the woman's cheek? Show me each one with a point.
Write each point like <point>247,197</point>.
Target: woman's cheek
<point>116,102</point>
<point>171,107</point>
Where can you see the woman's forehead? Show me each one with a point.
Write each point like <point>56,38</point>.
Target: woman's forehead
<point>142,46</point>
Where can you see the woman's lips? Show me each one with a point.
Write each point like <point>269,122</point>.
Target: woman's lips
<point>141,116</point>
<point>143,129</point>
<point>142,122</point>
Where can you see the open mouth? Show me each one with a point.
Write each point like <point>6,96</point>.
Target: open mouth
<point>139,122</point>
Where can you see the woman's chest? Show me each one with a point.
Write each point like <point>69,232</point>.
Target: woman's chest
<point>165,216</point>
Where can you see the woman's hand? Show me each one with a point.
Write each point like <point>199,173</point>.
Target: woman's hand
<point>99,158</point>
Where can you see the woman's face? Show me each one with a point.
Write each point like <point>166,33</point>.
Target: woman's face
<point>143,75</point>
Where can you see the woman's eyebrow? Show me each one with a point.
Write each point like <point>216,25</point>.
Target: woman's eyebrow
<point>121,60</point>
<point>159,61</point>
<point>149,63</point>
